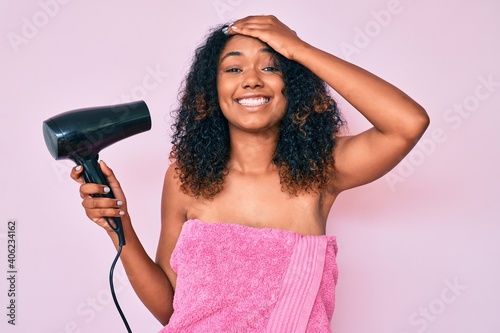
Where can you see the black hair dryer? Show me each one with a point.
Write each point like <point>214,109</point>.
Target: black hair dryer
<point>81,134</point>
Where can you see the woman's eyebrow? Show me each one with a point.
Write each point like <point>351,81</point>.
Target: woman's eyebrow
<point>267,50</point>
<point>232,53</point>
<point>239,54</point>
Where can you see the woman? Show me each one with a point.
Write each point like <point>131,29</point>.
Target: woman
<point>257,163</point>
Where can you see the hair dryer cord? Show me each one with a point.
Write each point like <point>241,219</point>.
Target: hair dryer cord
<point>113,289</point>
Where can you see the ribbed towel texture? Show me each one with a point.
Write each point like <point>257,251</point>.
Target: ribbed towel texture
<point>240,279</point>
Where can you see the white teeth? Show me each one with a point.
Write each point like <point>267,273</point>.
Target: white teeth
<point>253,101</point>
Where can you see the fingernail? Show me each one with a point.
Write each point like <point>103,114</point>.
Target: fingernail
<point>233,27</point>
<point>225,30</point>
<point>78,168</point>
<point>119,203</point>
<point>122,212</point>
<point>107,189</point>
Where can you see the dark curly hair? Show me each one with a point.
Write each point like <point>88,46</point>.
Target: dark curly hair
<point>306,138</point>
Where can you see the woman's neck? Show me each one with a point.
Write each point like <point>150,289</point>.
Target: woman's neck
<point>252,152</point>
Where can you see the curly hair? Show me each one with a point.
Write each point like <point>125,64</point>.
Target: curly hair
<point>306,138</point>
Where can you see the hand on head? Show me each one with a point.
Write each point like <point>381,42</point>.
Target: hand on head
<point>269,30</point>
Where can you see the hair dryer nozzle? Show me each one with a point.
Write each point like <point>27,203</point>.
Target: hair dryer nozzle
<point>82,133</point>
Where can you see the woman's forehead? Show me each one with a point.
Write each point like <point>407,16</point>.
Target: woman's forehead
<point>244,46</point>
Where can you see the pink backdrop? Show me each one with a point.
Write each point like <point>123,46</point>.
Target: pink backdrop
<point>418,248</point>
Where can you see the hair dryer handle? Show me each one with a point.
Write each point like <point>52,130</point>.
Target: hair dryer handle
<point>92,173</point>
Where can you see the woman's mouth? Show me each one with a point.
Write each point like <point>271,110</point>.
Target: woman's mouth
<point>253,101</point>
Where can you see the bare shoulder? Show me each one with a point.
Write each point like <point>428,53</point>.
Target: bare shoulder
<point>173,215</point>
<point>174,201</point>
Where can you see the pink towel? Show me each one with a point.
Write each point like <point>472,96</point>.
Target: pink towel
<point>235,278</point>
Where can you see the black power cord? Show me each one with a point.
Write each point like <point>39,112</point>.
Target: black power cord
<point>113,289</point>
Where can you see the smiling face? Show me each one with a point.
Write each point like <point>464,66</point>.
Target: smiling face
<point>249,85</point>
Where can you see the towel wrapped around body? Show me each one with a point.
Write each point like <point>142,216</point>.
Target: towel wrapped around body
<point>235,278</point>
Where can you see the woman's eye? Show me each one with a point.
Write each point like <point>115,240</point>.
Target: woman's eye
<point>233,70</point>
<point>270,69</point>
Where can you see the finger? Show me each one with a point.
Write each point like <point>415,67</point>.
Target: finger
<point>253,23</point>
<point>76,174</point>
<point>99,214</point>
<point>112,181</point>
<point>94,203</point>
<point>89,189</point>
<point>257,19</point>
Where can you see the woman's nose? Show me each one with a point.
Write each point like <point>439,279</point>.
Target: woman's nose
<point>252,79</point>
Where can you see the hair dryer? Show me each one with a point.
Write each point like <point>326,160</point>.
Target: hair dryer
<point>81,134</point>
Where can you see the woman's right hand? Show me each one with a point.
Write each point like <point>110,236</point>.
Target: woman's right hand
<point>98,208</point>
<point>147,278</point>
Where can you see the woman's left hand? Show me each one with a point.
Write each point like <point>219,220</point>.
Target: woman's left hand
<point>271,31</point>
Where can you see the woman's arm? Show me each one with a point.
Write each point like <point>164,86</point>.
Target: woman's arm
<point>398,121</point>
<point>148,279</point>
